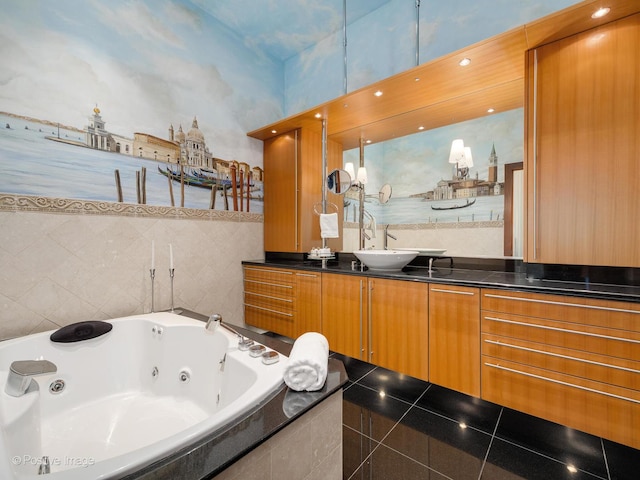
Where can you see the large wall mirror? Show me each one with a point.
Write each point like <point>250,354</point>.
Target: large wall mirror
<point>465,209</point>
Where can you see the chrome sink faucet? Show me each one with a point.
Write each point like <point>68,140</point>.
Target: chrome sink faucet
<point>21,373</point>
<point>215,321</point>
<point>386,237</point>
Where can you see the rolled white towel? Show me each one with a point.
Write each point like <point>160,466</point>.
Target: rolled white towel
<point>307,366</point>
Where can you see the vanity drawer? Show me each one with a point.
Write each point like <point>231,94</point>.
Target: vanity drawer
<point>599,368</point>
<point>587,311</point>
<point>611,342</point>
<point>600,409</point>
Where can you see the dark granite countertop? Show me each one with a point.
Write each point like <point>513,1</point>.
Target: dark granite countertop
<point>444,273</point>
<point>211,455</point>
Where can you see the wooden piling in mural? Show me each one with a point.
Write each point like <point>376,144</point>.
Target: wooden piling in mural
<point>138,191</point>
<point>144,185</point>
<point>234,188</point>
<point>181,185</point>
<point>249,178</point>
<point>118,186</point>
<point>173,203</point>
<point>241,191</point>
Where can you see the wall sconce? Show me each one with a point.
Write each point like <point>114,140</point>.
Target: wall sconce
<point>461,157</point>
<point>362,175</point>
<point>356,180</point>
<point>352,173</point>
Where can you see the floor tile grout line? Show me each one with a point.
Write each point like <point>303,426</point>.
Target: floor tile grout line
<point>606,460</point>
<point>445,417</point>
<point>493,436</point>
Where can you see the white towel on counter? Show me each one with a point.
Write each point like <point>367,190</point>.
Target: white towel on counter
<point>329,225</point>
<point>308,363</point>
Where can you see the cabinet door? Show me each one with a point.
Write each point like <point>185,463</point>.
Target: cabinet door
<point>344,313</point>
<point>583,125</point>
<point>308,302</point>
<point>454,338</point>
<point>280,193</point>
<point>398,317</point>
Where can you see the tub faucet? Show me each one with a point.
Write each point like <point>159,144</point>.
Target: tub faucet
<point>387,236</point>
<point>21,373</point>
<point>215,321</point>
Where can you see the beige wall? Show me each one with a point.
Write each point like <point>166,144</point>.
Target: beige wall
<point>58,268</point>
<point>479,239</point>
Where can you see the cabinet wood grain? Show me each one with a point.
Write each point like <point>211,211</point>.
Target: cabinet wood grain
<point>454,337</point>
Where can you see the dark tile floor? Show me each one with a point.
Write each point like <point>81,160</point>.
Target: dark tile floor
<point>398,427</point>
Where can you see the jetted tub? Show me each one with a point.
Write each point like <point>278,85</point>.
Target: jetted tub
<point>154,384</point>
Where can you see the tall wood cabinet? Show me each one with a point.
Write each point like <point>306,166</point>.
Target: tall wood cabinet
<point>454,337</point>
<point>293,180</point>
<point>380,321</point>
<point>583,148</point>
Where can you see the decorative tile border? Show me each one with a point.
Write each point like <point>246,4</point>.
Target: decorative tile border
<point>438,225</point>
<point>29,203</point>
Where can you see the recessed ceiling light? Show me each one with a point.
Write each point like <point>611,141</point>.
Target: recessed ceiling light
<point>378,93</point>
<point>491,110</point>
<point>274,131</point>
<point>601,12</point>
<point>572,469</point>
<point>464,62</point>
<point>417,79</point>
<point>318,115</point>
<point>420,127</point>
<point>368,141</point>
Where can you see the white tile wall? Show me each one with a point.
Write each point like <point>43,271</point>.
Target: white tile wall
<point>57,269</point>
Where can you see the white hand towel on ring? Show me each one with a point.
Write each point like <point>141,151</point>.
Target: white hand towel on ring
<point>329,225</point>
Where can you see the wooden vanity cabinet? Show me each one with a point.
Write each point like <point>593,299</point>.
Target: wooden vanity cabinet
<point>293,180</point>
<point>582,124</point>
<point>571,360</point>
<point>454,337</point>
<point>281,300</point>
<point>377,320</point>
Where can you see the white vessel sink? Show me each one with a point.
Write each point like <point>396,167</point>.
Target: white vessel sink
<point>386,260</point>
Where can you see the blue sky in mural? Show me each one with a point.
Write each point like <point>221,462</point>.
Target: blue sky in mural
<point>145,63</point>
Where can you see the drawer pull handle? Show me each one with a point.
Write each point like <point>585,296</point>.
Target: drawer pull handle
<point>268,310</point>
<point>288,300</point>
<point>560,382</point>
<point>563,304</point>
<point>558,355</point>
<point>312,275</point>
<point>564,330</point>
<point>279,285</point>
<point>452,291</point>
<point>265,270</point>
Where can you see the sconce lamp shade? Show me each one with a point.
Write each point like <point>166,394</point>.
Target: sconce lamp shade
<point>362,175</point>
<point>352,173</point>
<point>457,151</point>
<point>468,159</point>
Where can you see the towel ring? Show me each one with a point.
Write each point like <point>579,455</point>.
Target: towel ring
<point>319,204</point>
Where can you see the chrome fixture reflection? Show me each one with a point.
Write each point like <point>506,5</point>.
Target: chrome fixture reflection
<point>215,321</point>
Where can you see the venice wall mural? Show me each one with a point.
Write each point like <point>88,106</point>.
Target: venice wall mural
<point>103,101</point>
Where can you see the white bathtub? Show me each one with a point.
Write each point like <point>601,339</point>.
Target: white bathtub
<point>125,403</point>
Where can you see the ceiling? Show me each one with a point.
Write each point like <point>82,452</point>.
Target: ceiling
<point>283,29</point>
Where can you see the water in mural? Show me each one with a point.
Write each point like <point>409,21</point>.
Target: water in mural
<point>33,164</point>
